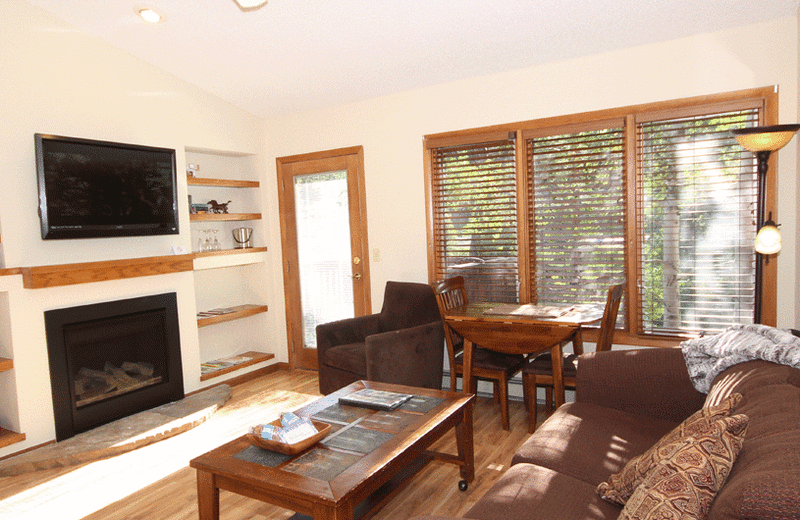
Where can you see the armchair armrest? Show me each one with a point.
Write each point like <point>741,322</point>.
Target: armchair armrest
<point>648,381</point>
<point>413,356</point>
<point>343,332</point>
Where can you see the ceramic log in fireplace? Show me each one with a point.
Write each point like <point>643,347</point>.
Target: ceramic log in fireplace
<point>112,359</point>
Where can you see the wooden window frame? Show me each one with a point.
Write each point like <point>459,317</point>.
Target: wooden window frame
<point>765,98</point>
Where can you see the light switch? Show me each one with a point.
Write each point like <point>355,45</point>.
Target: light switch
<point>376,255</point>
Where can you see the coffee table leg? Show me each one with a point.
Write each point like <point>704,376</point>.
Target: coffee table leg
<point>343,512</point>
<point>465,446</point>
<point>207,496</point>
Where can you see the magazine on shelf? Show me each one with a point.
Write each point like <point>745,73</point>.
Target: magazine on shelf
<point>375,399</point>
<point>221,310</point>
<point>217,364</point>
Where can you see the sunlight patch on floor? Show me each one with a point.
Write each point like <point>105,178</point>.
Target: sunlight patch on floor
<point>96,485</point>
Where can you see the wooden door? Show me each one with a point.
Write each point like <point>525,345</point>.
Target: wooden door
<point>324,239</point>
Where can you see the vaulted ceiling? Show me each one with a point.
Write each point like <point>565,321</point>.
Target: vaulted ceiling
<point>297,55</point>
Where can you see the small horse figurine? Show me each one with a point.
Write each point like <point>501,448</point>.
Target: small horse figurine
<point>216,207</point>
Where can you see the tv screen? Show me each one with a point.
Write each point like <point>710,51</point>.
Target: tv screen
<point>91,188</point>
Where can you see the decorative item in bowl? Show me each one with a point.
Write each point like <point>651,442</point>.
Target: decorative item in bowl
<point>254,436</point>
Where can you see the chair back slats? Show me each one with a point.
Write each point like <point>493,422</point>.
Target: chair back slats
<point>450,293</point>
<point>609,323</point>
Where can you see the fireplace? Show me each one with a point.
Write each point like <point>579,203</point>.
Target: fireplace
<point>112,359</point>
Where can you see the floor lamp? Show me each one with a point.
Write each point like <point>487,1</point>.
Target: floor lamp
<point>763,140</point>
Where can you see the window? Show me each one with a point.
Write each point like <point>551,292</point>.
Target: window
<point>697,197</point>
<point>660,197</point>
<point>577,214</point>
<point>475,217</point>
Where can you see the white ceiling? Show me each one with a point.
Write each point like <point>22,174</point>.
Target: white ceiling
<point>297,55</point>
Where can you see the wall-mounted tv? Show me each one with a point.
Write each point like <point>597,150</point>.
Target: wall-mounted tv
<point>91,188</point>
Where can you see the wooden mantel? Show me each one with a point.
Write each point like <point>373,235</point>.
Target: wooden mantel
<point>70,274</point>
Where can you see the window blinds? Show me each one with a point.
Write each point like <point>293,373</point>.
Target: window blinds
<point>577,215</point>
<point>475,217</point>
<point>697,193</point>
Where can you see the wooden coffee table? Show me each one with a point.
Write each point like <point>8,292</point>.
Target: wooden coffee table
<point>356,468</point>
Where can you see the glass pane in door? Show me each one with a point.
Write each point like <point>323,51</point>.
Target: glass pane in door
<point>323,248</point>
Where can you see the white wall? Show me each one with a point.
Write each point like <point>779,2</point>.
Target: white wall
<point>391,128</point>
<point>55,79</point>
<point>60,81</point>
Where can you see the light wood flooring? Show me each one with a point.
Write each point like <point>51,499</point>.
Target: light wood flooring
<point>433,491</point>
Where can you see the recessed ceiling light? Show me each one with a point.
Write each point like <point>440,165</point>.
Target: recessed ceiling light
<point>148,14</point>
<point>250,5</point>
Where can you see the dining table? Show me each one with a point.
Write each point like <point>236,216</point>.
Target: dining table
<point>522,329</point>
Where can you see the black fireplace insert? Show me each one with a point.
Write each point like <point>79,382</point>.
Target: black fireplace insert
<point>113,359</point>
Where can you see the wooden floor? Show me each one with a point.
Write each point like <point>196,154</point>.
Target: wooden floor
<point>433,491</point>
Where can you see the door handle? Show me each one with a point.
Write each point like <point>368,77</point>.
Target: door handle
<point>356,276</point>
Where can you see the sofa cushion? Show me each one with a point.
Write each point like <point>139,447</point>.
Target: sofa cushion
<point>351,357</point>
<point>531,492</point>
<point>689,472</point>
<point>590,442</point>
<point>763,482</point>
<point>621,486</point>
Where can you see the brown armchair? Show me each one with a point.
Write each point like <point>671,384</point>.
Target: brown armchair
<point>403,344</point>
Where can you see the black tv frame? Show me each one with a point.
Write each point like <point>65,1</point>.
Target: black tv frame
<point>109,230</point>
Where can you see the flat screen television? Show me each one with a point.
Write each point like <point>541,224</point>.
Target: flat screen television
<point>90,189</point>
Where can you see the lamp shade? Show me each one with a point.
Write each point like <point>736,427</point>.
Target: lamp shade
<point>766,138</point>
<point>768,239</point>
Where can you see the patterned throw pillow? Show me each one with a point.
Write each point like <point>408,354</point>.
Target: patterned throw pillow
<point>621,486</point>
<point>683,484</point>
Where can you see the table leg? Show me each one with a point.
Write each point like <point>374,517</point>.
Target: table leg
<point>341,512</point>
<point>577,341</point>
<point>207,496</point>
<point>558,373</point>
<point>466,380</point>
<point>465,446</point>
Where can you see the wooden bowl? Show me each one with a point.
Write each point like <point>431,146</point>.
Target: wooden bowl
<point>288,449</point>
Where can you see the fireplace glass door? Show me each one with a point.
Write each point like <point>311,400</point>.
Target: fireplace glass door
<point>112,359</point>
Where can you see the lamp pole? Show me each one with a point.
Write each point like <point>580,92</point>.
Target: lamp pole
<point>762,141</point>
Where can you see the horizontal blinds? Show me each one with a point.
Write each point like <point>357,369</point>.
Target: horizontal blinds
<point>577,215</point>
<point>475,217</point>
<point>696,194</point>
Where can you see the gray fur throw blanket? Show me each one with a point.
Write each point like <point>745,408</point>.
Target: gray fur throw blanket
<point>708,356</point>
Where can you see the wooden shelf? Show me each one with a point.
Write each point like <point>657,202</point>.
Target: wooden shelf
<point>226,252</point>
<point>7,438</point>
<point>221,183</point>
<point>241,311</point>
<point>70,274</point>
<point>255,357</point>
<point>209,217</point>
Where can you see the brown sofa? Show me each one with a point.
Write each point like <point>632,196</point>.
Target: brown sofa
<point>625,402</point>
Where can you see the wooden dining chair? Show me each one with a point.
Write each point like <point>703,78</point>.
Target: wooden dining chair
<point>486,364</point>
<point>539,371</point>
